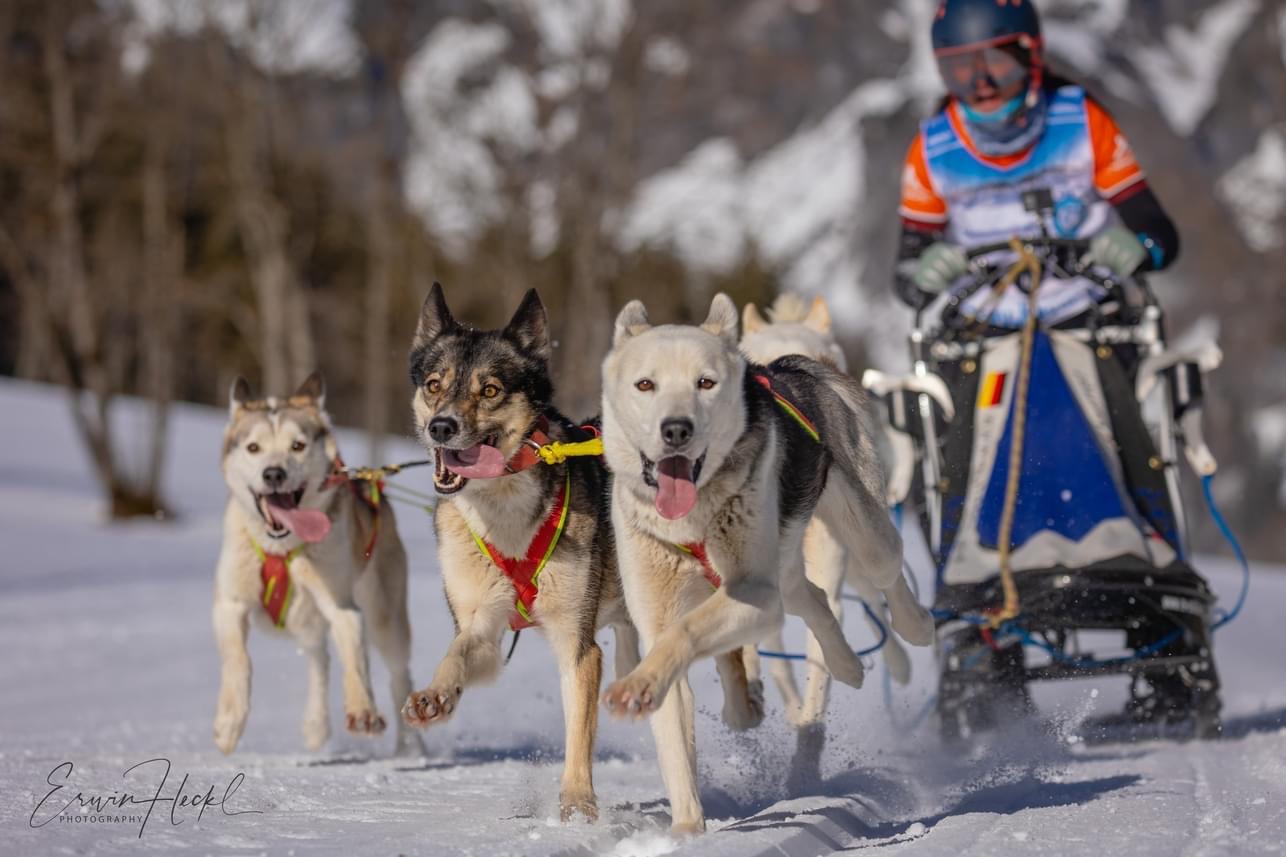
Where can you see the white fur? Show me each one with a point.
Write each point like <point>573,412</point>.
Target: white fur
<point>736,517</point>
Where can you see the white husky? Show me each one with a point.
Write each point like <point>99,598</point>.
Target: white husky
<point>800,328</point>
<point>718,466</point>
<point>304,550</point>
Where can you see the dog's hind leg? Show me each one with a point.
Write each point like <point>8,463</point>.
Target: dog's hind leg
<point>348,628</point>
<point>896,660</point>
<point>783,677</point>
<point>231,625</point>
<point>674,732</point>
<point>626,655</point>
<point>803,599</point>
<point>824,561</point>
<point>910,619</point>
<point>383,604</point>
<point>580,672</point>
<point>861,523</point>
<point>743,699</point>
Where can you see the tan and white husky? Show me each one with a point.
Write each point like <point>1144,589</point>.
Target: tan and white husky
<point>521,543</point>
<point>305,551</point>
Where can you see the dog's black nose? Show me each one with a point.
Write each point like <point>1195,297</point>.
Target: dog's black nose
<point>443,429</point>
<point>274,477</point>
<point>676,431</point>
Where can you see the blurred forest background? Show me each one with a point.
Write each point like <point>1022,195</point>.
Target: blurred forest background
<point>195,190</point>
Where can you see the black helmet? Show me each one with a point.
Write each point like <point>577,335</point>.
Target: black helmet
<point>966,23</point>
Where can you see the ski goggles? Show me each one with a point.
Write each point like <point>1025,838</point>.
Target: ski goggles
<point>1005,68</point>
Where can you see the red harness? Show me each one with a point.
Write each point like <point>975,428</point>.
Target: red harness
<point>524,573</point>
<point>277,587</point>
<point>526,456</point>
<point>697,550</point>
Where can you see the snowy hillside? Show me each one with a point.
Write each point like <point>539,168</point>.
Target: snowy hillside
<point>110,662</point>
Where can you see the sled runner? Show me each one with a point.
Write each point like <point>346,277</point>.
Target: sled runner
<point>1043,464</point>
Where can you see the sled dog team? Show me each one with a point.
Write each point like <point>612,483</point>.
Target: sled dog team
<point>737,481</point>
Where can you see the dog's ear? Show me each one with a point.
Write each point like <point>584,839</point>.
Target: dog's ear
<point>722,320</point>
<point>631,321</point>
<point>313,389</point>
<point>819,316</point>
<point>530,326</point>
<point>751,320</point>
<point>238,395</point>
<point>435,318</point>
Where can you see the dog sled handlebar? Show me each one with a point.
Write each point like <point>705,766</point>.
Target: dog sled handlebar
<point>1061,258</point>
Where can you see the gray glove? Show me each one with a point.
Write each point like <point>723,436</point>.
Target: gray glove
<point>940,265</point>
<point>1117,249</point>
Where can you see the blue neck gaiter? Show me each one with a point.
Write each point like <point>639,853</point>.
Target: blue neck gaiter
<point>1008,129</point>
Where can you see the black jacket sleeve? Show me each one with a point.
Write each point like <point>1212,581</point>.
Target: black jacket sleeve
<point>1142,214</point>
<point>912,242</point>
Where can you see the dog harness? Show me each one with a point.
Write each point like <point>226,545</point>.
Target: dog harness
<point>524,572</point>
<point>789,407</point>
<point>697,550</point>
<point>537,447</point>
<point>277,587</point>
<point>371,496</point>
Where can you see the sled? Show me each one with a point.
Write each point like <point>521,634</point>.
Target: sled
<point>1094,517</point>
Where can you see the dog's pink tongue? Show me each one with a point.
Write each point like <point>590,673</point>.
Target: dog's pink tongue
<point>676,493</point>
<point>311,525</point>
<point>476,462</point>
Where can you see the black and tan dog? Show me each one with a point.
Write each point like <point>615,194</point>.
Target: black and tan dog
<point>521,543</point>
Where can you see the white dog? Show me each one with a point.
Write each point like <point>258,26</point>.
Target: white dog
<point>304,550</point>
<point>718,466</point>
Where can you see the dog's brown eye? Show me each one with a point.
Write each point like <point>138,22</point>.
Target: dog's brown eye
<point>298,446</point>
<point>705,383</point>
<point>433,386</point>
<point>490,391</point>
<point>252,448</point>
<point>645,385</point>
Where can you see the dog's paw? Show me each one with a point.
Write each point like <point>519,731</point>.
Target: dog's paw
<point>742,713</point>
<point>429,706</point>
<point>897,662</point>
<point>228,725</point>
<point>847,668</point>
<point>366,721</point>
<point>637,695</point>
<point>570,804</point>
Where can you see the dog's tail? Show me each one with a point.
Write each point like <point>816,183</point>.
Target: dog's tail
<point>788,307</point>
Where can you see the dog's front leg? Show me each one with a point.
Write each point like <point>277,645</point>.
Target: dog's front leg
<point>738,614</point>
<point>346,627</point>
<point>317,708</point>
<point>472,658</point>
<point>580,671</point>
<point>674,731</point>
<point>231,625</point>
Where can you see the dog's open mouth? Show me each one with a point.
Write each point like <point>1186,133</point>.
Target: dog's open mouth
<point>445,480</point>
<point>675,479</point>
<point>283,515</point>
<point>455,467</point>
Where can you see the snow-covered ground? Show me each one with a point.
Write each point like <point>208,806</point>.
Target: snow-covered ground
<point>108,661</point>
